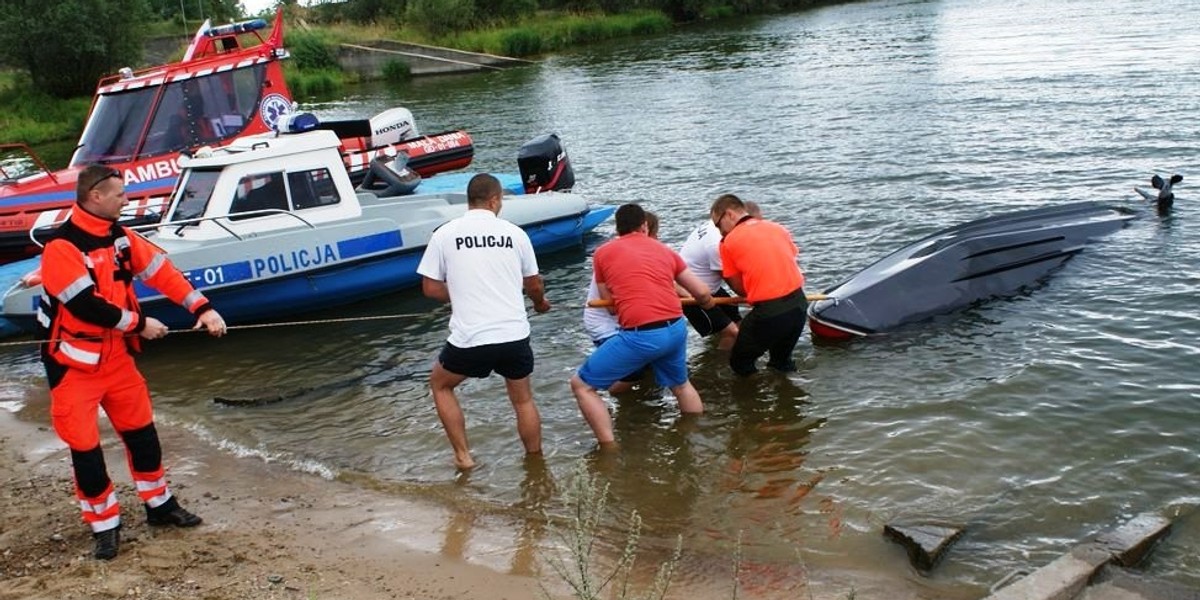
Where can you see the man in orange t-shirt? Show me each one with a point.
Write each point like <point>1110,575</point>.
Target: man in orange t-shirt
<point>758,260</point>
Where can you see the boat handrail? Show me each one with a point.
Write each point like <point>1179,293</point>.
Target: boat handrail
<point>227,216</point>
<point>185,222</point>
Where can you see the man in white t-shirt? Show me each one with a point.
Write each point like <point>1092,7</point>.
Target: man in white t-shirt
<point>480,264</point>
<point>702,255</point>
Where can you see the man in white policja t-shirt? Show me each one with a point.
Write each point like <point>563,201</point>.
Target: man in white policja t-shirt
<point>702,255</point>
<point>480,264</point>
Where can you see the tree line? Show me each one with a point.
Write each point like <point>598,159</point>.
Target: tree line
<point>67,45</point>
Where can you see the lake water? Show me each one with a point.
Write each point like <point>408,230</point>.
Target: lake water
<point>1036,421</point>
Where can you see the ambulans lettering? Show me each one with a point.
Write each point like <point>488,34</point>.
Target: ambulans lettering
<point>286,262</point>
<point>483,241</point>
<point>159,169</point>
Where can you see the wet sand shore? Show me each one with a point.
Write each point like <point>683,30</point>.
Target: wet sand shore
<point>271,532</point>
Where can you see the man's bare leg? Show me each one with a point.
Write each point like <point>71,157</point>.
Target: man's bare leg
<point>442,383</point>
<point>529,422</point>
<point>595,412</point>
<point>728,337</point>
<point>688,397</point>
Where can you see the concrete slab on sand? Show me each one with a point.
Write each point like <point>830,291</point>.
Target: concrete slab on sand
<point>1115,583</point>
<point>1066,577</point>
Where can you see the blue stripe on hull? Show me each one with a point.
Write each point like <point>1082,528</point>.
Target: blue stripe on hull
<point>343,283</point>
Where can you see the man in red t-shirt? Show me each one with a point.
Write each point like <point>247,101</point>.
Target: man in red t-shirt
<point>758,259</point>
<point>638,274</point>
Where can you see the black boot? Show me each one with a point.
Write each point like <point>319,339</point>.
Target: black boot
<point>107,543</point>
<point>171,513</point>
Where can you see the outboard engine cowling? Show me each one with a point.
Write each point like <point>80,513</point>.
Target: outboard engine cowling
<point>544,165</point>
<point>391,126</point>
<point>390,176</point>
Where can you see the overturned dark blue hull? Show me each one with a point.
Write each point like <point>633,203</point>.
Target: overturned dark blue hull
<point>956,267</point>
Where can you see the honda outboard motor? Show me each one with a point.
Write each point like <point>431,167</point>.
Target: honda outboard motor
<point>544,165</point>
<point>391,126</point>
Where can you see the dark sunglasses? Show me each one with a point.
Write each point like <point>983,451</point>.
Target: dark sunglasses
<point>109,175</point>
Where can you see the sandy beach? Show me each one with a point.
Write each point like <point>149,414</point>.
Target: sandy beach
<point>270,532</point>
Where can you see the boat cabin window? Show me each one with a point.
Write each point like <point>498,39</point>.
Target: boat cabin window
<point>261,191</point>
<point>313,188</point>
<point>192,112</point>
<point>204,110</point>
<point>194,194</point>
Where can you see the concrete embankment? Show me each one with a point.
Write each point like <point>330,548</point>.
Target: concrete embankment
<point>368,60</point>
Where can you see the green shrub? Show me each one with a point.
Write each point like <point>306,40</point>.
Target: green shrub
<point>440,17</point>
<point>587,30</point>
<point>396,71</point>
<point>309,84</point>
<point>36,117</point>
<point>311,51</point>
<point>520,42</point>
<point>718,12</point>
<point>66,45</point>
<point>501,11</point>
<point>646,23</point>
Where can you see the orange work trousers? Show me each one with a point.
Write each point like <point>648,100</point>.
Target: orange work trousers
<point>119,388</point>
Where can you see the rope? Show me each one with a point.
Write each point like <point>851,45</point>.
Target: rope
<point>251,326</point>
<point>591,304</point>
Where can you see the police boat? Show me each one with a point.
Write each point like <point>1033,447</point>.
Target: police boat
<point>957,267</point>
<point>271,225</point>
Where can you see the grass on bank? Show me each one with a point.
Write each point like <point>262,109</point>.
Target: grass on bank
<point>544,32</point>
<point>552,33</point>
<point>34,117</point>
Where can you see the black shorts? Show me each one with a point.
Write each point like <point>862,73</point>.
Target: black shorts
<point>512,360</point>
<point>717,318</point>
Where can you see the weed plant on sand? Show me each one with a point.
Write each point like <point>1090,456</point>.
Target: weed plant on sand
<point>583,570</point>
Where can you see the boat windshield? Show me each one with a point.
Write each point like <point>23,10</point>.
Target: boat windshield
<point>112,131</point>
<point>192,112</point>
<point>194,194</point>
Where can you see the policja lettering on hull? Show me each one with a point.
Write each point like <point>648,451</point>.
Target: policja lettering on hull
<point>286,262</point>
<point>483,241</point>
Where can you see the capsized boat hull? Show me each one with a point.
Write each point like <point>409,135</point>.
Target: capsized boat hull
<point>957,267</point>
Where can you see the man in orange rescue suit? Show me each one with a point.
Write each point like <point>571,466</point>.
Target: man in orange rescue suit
<point>90,318</point>
<point>758,259</point>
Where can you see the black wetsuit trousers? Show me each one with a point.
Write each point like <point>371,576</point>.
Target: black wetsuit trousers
<point>772,327</point>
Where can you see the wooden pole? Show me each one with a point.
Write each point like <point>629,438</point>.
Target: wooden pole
<point>601,303</point>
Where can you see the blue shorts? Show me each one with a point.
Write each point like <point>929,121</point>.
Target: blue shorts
<point>664,349</point>
<point>633,377</point>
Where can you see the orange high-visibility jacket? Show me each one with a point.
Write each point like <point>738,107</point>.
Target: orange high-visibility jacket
<point>88,310</point>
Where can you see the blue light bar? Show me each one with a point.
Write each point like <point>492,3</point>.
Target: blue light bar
<point>235,28</point>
